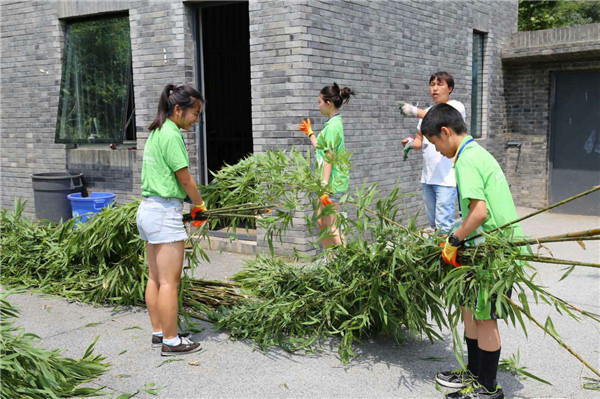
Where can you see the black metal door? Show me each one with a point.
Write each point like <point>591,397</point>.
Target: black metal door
<point>575,141</point>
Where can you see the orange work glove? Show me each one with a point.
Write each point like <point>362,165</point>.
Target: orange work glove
<point>449,253</point>
<point>306,127</point>
<point>325,200</point>
<point>199,209</point>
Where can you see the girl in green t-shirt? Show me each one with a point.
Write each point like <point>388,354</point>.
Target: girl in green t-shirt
<point>330,142</point>
<point>166,180</point>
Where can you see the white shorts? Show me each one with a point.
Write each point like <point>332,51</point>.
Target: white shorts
<point>160,220</point>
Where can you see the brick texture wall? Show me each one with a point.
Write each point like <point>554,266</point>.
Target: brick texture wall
<point>529,62</point>
<point>32,43</point>
<point>30,80</point>
<point>385,51</point>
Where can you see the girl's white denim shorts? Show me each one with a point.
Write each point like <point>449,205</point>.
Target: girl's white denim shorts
<point>160,220</point>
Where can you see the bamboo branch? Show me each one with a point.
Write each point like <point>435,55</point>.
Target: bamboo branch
<point>239,208</point>
<point>545,259</point>
<point>591,315</point>
<point>595,188</point>
<point>383,217</point>
<point>593,234</point>
<point>556,338</point>
<point>535,241</point>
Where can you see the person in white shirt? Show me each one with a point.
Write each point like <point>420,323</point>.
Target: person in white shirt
<point>439,183</point>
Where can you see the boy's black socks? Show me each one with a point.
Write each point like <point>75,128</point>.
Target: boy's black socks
<point>488,368</point>
<point>472,356</point>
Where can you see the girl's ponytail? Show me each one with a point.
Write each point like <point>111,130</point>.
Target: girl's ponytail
<point>337,96</point>
<point>345,94</point>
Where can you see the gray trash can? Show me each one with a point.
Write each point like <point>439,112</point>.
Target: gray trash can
<point>50,192</point>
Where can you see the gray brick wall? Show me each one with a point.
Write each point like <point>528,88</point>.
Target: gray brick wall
<point>529,61</point>
<point>32,44</point>
<point>384,50</point>
<point>528,107</point>
<point>30,79</point>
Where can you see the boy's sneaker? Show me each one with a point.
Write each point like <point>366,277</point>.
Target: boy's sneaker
<point>157,341</point>
<point>476,391</point>
<point>455,379</point>
<point>185,346</point>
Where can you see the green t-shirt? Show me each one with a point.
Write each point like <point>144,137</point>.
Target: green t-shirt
<point>478,176</point>
<point>164,154</point>
<point>331,139</point>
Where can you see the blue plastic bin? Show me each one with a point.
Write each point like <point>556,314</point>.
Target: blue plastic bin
<point>86,207</point>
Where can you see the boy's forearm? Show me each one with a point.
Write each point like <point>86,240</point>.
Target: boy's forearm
<point>475,218</point>
<point>313,140</point>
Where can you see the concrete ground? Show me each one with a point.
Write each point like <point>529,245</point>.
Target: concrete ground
<point>226,369</point>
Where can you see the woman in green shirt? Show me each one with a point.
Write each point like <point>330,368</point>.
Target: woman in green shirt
<point>166,180</point>
<point>329,142</point>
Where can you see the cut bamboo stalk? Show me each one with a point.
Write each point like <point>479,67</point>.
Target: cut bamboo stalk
<point>536,241</point>
<point>575,308</point>
<point>545,259</point>
<point>240,208</point>
<point>592,234</point>
<point>557,339</point>
<point>595,188</point>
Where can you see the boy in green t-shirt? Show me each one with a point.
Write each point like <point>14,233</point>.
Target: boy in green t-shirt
<point>485,203</point>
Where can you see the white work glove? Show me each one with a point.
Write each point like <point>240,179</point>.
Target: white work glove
<point>407,109</point>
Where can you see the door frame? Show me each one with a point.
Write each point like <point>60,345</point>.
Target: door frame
<point>201,150</point>
<point>551,133</point>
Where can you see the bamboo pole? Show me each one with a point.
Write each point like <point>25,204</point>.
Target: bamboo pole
<point>591,315</point>
<point>239,208</point>
<point>575,236</point>
<point>595,188</point>
<point>545,259</point>
<point>560,342</point>
<point>536,241</point>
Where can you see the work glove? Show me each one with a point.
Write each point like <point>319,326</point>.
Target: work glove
<point>306,127</point>
<point>449,253</point>
<point>325,200</point>
<point>407,109</point>
<point>409,144</point>
<point>197,212</point>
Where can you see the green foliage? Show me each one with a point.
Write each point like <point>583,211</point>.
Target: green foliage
<point>283,180</point>
<point>545,14</point>
<point>101,261</point>
<point>29,371</point>
<point>388,279</point>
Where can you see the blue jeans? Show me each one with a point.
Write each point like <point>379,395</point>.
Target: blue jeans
<point>440,203</point>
